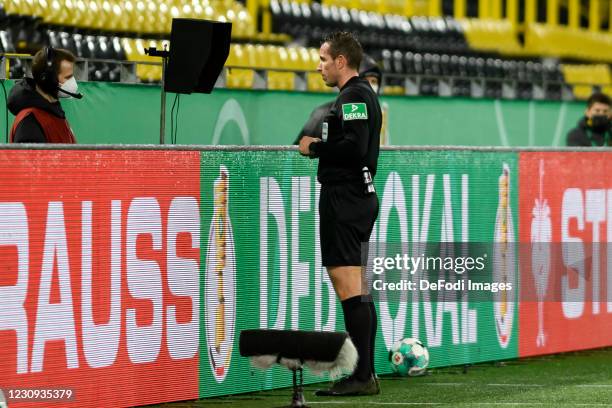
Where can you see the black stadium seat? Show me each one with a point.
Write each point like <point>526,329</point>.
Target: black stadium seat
<point>7,41</point>
<point>3,18</point>
<point>418,64</point>
<point>67,42</point>
<point>409,63</point>
<point>17,68</point>
<point>54,39</point>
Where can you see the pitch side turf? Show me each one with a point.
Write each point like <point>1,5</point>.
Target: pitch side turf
<point>577,379</point>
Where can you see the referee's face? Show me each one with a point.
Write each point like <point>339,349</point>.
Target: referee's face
<point>327,66</point>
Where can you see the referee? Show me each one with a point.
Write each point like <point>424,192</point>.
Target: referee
<point>348,206</point>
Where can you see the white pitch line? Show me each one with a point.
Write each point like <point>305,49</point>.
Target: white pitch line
<point>594,385</point>
<point>376,403</point>
<point>470,403</point>
<point>406,403</point>
<point>573,404</point>
<point>501,127</point>
<point>516,385</point>
<point>440,383</point>
<point>560,121</point>
<point>519,385</point>
<point>491,384</point>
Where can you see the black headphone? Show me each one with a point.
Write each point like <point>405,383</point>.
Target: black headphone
<point>48,77</point>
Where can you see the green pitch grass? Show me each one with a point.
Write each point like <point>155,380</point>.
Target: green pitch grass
<point>577,379</point>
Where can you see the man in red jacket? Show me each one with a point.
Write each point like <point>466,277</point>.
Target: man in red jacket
<point>34,101</point>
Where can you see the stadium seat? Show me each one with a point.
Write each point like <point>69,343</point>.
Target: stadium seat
<point>543,40</point>
<point>17,8</point>
<point>239,76</point>
<point>419,46</point>
<point>281,80</point>
<point>134,51</point>
<point>491,35</point>
<point>586,78</point>
<point>3,18</point>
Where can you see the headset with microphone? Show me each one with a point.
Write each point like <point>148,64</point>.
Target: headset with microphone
<point>49,75</point>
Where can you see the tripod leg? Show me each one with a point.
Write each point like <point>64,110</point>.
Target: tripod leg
<point>298,400</point>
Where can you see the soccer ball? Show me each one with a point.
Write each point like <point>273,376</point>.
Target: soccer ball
<point>409,357</point>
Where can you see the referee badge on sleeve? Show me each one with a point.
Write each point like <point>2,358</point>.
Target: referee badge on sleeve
<point>354,111</point>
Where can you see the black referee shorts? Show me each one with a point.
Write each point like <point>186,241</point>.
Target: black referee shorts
<point>347,217</point>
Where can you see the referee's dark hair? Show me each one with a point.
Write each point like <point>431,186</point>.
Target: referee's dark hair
<point>345,43</point>
<point>598,97</point>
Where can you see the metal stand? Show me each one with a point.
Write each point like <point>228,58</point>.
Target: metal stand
<point>165,54</point>
<point>298,400</point>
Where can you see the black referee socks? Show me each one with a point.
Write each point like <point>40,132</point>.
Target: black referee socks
<point>359,325</point>
<point>374,325</point>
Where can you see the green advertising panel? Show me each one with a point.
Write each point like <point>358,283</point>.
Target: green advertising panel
<point>449,196</point>
<point>125,113</point>
<point>261,263</point>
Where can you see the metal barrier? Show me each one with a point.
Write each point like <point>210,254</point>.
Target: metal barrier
<point>232,231</point>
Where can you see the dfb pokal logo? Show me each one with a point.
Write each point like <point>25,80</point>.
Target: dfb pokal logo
<point>504,260</point>
<point>541,234</point>
<point>220,289</point>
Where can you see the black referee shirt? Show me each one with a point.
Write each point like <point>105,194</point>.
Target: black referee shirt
<point>353,140</point>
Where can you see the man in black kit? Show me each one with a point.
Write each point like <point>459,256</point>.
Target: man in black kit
<point>348,207</point>
<point>595,127</point>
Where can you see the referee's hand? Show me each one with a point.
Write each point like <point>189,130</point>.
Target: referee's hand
<point>305,142</point>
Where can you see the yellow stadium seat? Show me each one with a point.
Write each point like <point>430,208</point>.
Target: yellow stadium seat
<point>314,80</point>
<point>491,35</point>
<point>155,21</point>
<point>273,58</point>
<point>126,14</point>
<point>88,15</point>
<point>116,15</point>
<point>164,23</point>
<point>596,74</point>
<point>107,10</point>
<point>140,21</point>
<point>143,71</point>
<point>293,59</point>
<point>305,62</point>
<point>239,77</point>
<point>56,14</point>
<point>282,80</point>
<point>134,50</point>
<point>368,5</point>
<point>17,7</point>
<point>231,58</point>
<point>246,58</point>
<point>584,77</point>
<point>130,50</point>
<point>80,13</point>
<point>242,22</point>
<point>560,41</point>
<point>261,57</point>
<point>96,17</point>
<point>40,8</point>
<point>582,91</point>
<point>35,8</point>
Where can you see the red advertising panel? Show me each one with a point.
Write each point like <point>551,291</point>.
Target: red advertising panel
<point>566,255</point>
<point>99,282</point>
